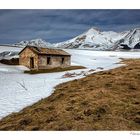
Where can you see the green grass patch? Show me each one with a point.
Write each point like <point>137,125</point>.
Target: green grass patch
<point>58,69</point>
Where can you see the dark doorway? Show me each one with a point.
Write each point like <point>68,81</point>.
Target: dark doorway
<point>62,60</point>
<point>48,60</point>
<point>31,62</point>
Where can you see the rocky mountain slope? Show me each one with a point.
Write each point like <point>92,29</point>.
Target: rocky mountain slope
<point>132,37</point>
<point>93,39</point>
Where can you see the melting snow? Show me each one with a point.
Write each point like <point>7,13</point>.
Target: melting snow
<point>18,90</point>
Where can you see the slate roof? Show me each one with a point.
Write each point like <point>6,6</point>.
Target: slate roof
<point>47,51</point>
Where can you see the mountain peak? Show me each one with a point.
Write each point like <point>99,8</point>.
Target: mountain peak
<point>93,30</point>
<point>37,42</point>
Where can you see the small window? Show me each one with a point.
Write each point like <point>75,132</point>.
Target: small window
<point>48,60</point>
<point>62,60</point>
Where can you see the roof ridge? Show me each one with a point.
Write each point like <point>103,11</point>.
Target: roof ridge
<point>49,51</point>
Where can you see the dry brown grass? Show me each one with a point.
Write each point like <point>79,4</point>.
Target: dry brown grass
<point>107,100</point>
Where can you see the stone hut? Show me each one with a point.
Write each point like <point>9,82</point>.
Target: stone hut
<point>43,58</point>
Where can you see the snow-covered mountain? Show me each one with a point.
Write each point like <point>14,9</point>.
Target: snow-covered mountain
<point>132,37</point>
<point>38,42</point>
<point>93,39</point>
<point>8,54</point>
<point>106,40</point>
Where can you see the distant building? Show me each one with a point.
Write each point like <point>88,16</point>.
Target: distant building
<point>43,58</point>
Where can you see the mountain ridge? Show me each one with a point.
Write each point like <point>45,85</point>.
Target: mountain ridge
<point>94,39</point>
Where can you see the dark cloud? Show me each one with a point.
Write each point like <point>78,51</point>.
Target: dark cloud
<point>60,25</point>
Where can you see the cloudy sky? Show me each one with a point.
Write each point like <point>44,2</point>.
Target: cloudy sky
<point>60,25</point>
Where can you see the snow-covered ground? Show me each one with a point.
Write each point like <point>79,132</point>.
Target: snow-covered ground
<point>8,48</point>
<point>95,59</point>
<point>18,90</point>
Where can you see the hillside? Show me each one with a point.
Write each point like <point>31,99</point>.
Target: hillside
<point>106,100</point>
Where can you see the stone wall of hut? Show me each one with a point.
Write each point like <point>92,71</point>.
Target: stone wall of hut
<point>55,61</point>
<point>25,56</point>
